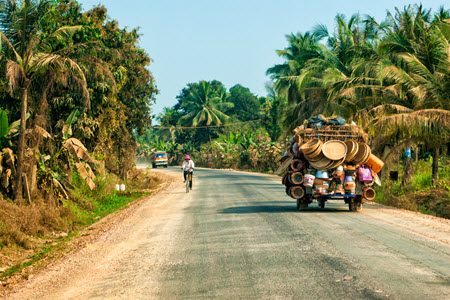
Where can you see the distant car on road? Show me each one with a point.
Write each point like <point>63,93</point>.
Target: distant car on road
<point>160,158</point>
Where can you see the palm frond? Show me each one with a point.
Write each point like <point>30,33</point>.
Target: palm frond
<point>14,75</point>
<point>4,38</point>
<point>42,63</point>
<point>427,124</point>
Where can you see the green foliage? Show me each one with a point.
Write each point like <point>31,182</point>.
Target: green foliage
<point>84,76</point>
<point>90,206</point>
<point>420,195</point>
<point>207,115</point>
<point>203,104</point>
<point>240,149</point>
<point>245,104</point>
<point>4,126</point>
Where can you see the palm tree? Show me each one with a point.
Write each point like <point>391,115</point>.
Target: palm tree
<point>304,93</point>
<point>33,53</point>
<point>419,66</point>
<point>340,76</point>
<point>203,103</point>
<point>301,49</point>
<point>348,68</point>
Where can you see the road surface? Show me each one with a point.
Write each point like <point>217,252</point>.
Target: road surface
<point>237,236</point>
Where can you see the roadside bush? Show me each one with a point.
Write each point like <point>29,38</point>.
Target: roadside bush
<point>420,195</point>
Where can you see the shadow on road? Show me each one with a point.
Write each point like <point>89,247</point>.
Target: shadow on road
<point>277,209</point>
<point>258,209</point>
<point>173,193</point>
<point>273,185</point>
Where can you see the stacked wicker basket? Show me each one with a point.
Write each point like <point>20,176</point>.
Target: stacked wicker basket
<point>338,150</point>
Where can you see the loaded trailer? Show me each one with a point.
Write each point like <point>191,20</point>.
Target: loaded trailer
<point>330,162</point>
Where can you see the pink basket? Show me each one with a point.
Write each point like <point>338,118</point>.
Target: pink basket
<point>365,174</point>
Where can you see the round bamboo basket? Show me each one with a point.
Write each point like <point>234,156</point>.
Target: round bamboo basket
<point>334,150</point>
<point>297,192</point>
<point>352,149</point>
<point>296,178</point>
<point>311,146</point>
<point>369,193</point>
<point>297,165</point>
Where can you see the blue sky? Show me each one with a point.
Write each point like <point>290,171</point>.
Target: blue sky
<point>233,41</point>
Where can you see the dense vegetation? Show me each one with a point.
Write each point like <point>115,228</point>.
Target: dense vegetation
<point>222,128</point>
<point>69,75</point>
<point>75,90</point>
<point>392,77</point>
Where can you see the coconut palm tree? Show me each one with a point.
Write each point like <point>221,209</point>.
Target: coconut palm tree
<point>304,93</point>
<point>340,76</point>
<point>348,69</point>
<point>203,104</point>
<point>33,53</point>
<point>419,53</point>
<point>301,49</point>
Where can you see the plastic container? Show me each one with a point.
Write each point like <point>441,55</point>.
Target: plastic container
<point>375,163</point>
<point>349,184</point>
<point>322,174</point>
<point>308,180</point>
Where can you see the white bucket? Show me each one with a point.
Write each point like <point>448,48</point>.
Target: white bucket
<point>308,180</point>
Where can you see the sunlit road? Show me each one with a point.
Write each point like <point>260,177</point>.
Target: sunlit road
<point>237,236</point>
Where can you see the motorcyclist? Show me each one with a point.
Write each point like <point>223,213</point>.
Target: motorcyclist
<point>187,167</point>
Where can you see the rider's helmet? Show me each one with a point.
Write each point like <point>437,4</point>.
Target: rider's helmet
<point>187,157</point>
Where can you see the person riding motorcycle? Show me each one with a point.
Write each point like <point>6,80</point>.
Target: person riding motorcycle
<point>188,167</point>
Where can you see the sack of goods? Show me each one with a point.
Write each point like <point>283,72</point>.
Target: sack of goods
<point>329,156</point>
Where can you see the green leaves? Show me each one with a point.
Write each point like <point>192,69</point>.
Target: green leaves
<point>4,126</point>
<point>203,104</point>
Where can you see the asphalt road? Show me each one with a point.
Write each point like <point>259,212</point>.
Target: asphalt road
<point>238,236</point>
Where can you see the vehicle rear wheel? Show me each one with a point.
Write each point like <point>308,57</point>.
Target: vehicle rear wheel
<point>302,204</point>
<point>321,203</point>
<point>153,166</point>
<point>355,205</point>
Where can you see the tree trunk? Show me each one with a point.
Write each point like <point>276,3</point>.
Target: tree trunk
<point>18,195</point>
<point>435,167</point>
<point>408,172</point>
<point>416,153</point>
<point>41,119</point>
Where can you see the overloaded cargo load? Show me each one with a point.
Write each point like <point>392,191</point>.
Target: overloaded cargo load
<point>328,159</point>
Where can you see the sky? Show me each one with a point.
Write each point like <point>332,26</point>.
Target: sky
<point>233,41</point>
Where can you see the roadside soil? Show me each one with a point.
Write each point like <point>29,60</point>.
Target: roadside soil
<point>64,249</point>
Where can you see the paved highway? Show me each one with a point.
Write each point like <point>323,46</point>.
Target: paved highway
<point>238,236</point>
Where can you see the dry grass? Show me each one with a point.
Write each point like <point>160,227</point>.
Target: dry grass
<point>20,222</point>
<point>29,232</point>
<point>143,180</point>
